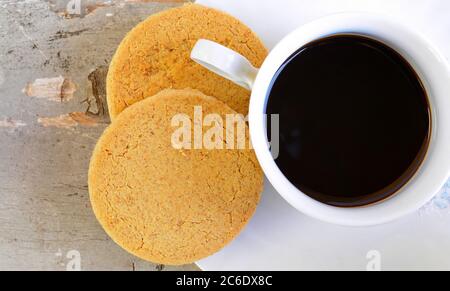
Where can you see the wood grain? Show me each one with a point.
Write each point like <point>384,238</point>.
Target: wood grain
<point>45,214</point>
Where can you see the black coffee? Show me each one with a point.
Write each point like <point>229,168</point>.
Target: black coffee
<point>354,120</point>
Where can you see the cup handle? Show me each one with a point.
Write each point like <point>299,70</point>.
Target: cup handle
<point>224,62</point>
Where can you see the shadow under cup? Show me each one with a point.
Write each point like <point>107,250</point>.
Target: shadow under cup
<point>354,120</point>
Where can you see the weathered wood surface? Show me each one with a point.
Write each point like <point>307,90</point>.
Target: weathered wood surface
<point>52,110</point>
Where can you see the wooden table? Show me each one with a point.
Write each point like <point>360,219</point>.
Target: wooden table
<point>53,62</point>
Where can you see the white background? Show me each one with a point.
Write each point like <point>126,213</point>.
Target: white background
<point>279,237</point>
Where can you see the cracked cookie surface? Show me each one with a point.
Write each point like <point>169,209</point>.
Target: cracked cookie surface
<point>167,205</point>
<point>155,55</point>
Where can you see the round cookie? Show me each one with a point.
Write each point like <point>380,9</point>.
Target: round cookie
<point>155,55</point>
<point>167,205</point>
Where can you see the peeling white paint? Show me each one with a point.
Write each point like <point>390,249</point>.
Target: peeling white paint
<point>57,89</point>
<point>8,122</point>
<point>68,121</point>
<point>62,121</point>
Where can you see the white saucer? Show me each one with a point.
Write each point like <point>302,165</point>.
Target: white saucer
<point>281,238</point>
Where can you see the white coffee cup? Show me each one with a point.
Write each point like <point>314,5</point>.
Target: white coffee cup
<point>430,65</point>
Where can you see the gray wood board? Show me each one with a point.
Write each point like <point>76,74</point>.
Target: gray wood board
<point>46,142</point>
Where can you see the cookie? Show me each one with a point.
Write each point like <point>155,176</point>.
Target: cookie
<point>165,204</point>
<point>155,55</point>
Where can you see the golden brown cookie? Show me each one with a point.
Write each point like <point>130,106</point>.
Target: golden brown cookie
<point>167,205</point>
<point>155,55</point>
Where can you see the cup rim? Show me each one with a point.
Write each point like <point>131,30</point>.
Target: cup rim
<point>434,71</point>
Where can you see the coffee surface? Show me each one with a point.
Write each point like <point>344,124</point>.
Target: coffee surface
<point>354,120</point>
